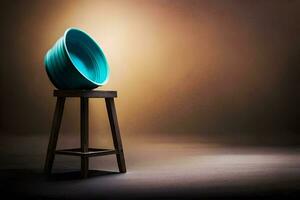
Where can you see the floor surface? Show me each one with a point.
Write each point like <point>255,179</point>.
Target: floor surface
<point>156,170</point>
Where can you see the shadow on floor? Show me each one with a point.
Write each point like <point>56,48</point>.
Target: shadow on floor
<point>34,184</point>
<point>32,175</point>
<point>75,175</point>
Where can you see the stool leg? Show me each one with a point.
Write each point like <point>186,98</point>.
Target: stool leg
<point>112,115</point>
<point>84,129</point>
<point>59,108</point>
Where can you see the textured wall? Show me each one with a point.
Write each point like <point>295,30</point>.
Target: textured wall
<point>217,70</point>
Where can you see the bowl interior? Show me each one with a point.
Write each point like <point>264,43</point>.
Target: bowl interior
<point>86,56</point>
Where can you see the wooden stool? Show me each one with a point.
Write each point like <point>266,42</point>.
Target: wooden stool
<point>84,151</point>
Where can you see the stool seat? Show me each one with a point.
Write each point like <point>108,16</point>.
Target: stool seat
<point>84,151</point>
<point>86,93</point>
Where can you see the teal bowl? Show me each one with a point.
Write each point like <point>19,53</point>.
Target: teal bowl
<point>76,62</point>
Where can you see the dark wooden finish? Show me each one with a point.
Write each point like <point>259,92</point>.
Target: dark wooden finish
<point>59,108</point>
<point>84,151</point>
<point>90,153</point>
<point>85,93</point>
<point>84,130</point>
<point>112,115</point>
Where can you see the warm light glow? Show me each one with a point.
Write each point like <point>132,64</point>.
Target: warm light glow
<point>179,66</point>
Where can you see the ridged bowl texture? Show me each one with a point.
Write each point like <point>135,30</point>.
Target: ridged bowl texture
<point>76,62</point>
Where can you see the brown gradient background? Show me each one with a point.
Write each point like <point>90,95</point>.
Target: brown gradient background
<point>203,70</point>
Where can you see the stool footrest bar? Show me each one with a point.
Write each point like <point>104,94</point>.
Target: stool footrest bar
<point>91,152</point>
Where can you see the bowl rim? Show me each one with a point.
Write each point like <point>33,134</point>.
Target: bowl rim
<point>99,48</point>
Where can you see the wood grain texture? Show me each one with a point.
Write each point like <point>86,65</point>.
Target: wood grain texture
<point>59,108</point>
<point>113,120</point>
<point>90,153</point>
<point>84,151</point>
<point>84,134</point>
<point>86,93</point>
